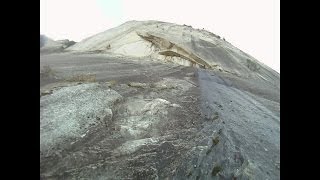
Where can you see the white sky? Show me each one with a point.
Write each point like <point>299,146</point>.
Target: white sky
<point>251,25</point>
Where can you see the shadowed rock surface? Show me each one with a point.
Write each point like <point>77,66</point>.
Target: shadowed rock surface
<point>112,110</point>
<point>48,45</point>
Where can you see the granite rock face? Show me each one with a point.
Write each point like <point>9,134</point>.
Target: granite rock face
<point>112,110</point>
<point>180,44</point>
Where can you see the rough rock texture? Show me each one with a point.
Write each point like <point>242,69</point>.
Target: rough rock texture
<point>141,117</point>
<point>68,112</point>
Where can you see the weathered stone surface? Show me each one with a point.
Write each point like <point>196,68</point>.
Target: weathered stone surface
<point>150,119</point>
<point>67,113</point>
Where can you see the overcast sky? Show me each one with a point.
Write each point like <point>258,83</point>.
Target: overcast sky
<point>251,25</point>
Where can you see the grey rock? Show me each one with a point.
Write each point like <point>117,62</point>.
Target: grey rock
<point>156,120</point>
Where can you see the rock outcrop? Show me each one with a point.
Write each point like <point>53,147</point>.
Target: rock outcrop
<point>47,45</point>
<point>179,44</point>
<point>155,100</point>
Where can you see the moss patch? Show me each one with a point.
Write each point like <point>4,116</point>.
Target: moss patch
<point>216,170</point>
<point>215,140</point>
